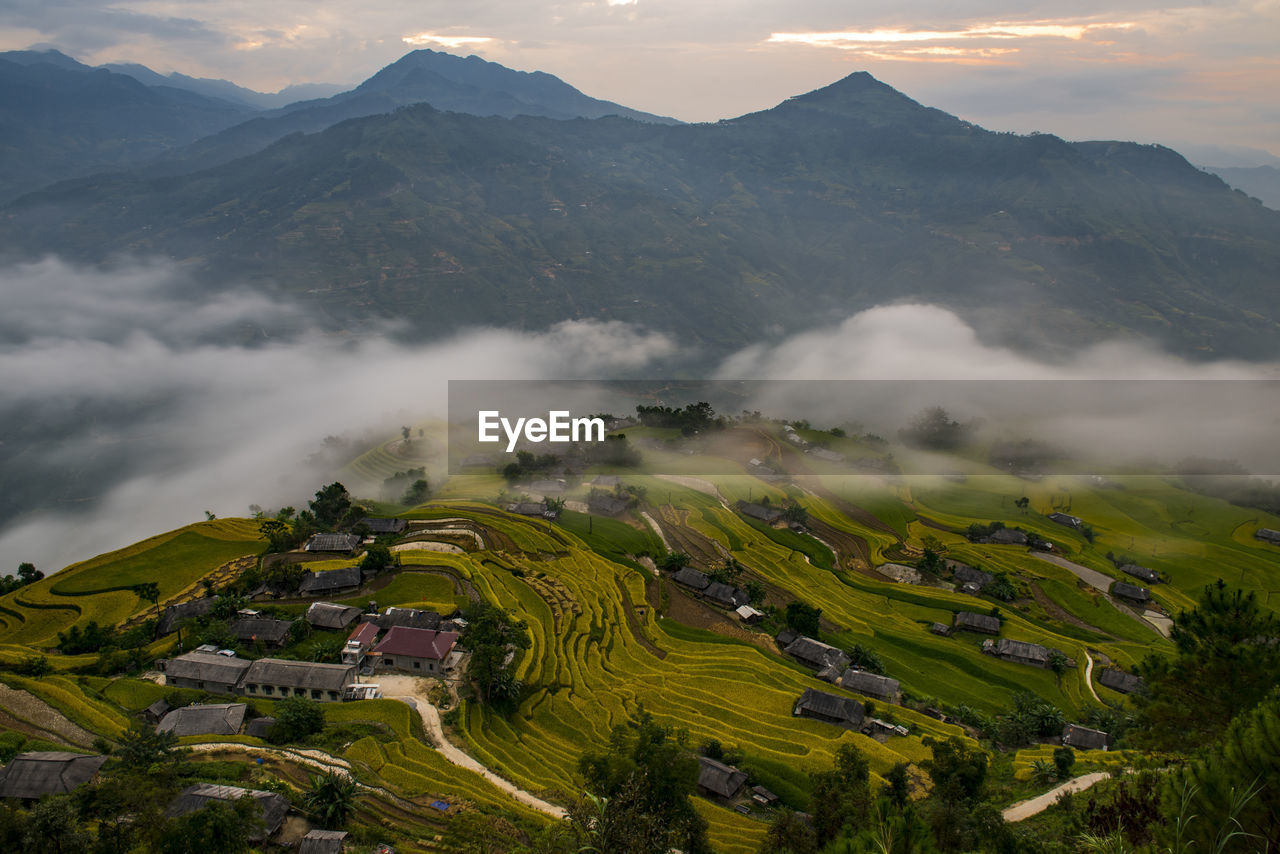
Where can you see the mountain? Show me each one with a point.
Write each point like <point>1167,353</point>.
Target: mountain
<point>446,82</point>
<point>1261,182</point>
<point>59,119</point>
<point>225,89</point>
<point>846,197</point>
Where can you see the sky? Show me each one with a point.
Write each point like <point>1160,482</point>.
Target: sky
<point>1199,73</point>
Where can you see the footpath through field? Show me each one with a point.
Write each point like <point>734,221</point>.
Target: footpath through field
<point>1026,809</point>
<point>1102,583</point>
<point>431,723</point>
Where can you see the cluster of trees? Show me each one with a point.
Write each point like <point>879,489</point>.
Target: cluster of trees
<point>803,618</point>
<point>409,487</point>
<point>332,508</point>
<point>691,419</point>
<point>27,573</point>
<point>528,465</point>
<point>615,450</point>
<point>935,430</point>
<point>493,639</point>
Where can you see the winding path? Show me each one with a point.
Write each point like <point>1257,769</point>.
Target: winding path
<point>1033,806</point>
<point>431,723</point>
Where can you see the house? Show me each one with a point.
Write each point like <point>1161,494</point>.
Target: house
<point>830,708</point>
<point>831,673</point>
<point>547,487</point>
<point>785,638</point>
<point>175,614</point>
<point>378,527</point>
<point>205,671</point>
<point>331,581</point>
<point>940,629</point>
<point>264,630</point>
<point>1065,519</point>
<point>326,615</point>
<point>969,579</point>
<point>359,642</point>
<point>968,620</point>
<point>533,508</point>
<point>410,618</point>
<point>1118,680</point>
<point>1268,535</point>
<point>816,654</point>
<point>604,504</point>
<point>1148,575</point>
<point>340,543</point>
<point>1021,652</point>
<point>260,727</point>
<point>726,595</point>
<point>157,710</point>
<point>1083,738</point>
<point>870,684</point>
<point>759,511</point>
<point>880,730</point>
<point>763,796</point>
<point>1131,593</point>
<point>689,577</point>
<point>748,615</point>
<point>716,778</point>
<point>1007,537</point>
<point>275,677</point>
<point>31,776</point>
<point>606,481</point>
<point>415,650</point>
<point>210,719</point>
<point>826,455</point>
<point>272,807</point>
<point>323,842</point>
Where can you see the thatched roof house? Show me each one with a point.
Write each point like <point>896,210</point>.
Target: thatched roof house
<point>31,776</point>
<point>209,719</point>
<point>969,621</point>
<point>273,807</point>
<point>830,708</point>
<point>718,779</point>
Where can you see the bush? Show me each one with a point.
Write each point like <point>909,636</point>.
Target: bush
<point>297,718</point>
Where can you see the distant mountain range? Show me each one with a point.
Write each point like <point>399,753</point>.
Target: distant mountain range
<point>846,197</point>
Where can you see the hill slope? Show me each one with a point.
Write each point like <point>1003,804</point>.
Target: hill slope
<point>846,197</point>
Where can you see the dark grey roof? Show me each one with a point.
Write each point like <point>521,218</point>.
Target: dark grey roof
<point>816,654</point>
<point>322,842</point>
<point>759,511</point>
<point>410,618</point>
<point>333,543</point>
<point>206,667</point>
<point>690,577</point>
<point>1065,519</point>
<point>327,615</point>
<point>785,637</point>
<point>1148,575</point>
<point>175,614</point>
<point>830,707</point>
<point>528,508</point>
<point>1118,680</point>
<point>966,574</point>
<point>607,505</point>
<point>346,578</point>
<point>1268,534</point>
<point>725,594</point>
<point>977,622</point>
<point>940,629</point>
<point>263,629</point>
<point>871,684</point>
<point>764,793</point>
<point>718,778</point>
<point>212,719</point>
<point>1023,650</point>
<point>258,727</point>
<point>1008,536</point>
<point>1130,591</point>
<point>273,806</point>
<point>300,674</point>
<point>1084,738</point>
<point>384,526</point>
<point>160,708</point>
<point>34,775</point>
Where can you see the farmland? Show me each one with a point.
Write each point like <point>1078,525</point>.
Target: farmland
<point>609,636</point>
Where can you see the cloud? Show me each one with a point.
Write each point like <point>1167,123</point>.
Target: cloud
<point>451,42</point>
<point>133,403</point>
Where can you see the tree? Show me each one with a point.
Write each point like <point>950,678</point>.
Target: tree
<point>1227,659</point>
<point>789,834</point>
<point>1063,759</point>
<point>897,785</point>
<point>218,826</point>
<point>490,634</point>
<point>648,775</point>
<point>1059,664</point>
<point>27,573</point>
<point>377,557</point>
<point>958,772</point>
<point>141,746</point>
<point>328,650</point>
<point>278,533</point>
<point>148,591</point>
<point>331,799</point>
<point>54,825</point>
<point>727,573</point>
<point>332,505</point>
<point>297,718</point>
<point>672,561</point>
<point>934,429</point>
<point>842,796</point>
<point>755,591</point>
<point>865,658</point>
<point>417,493</point>
<point>803,618</point>
<point>795,513</point>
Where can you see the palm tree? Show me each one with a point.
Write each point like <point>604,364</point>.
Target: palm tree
<point>331,799</point>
